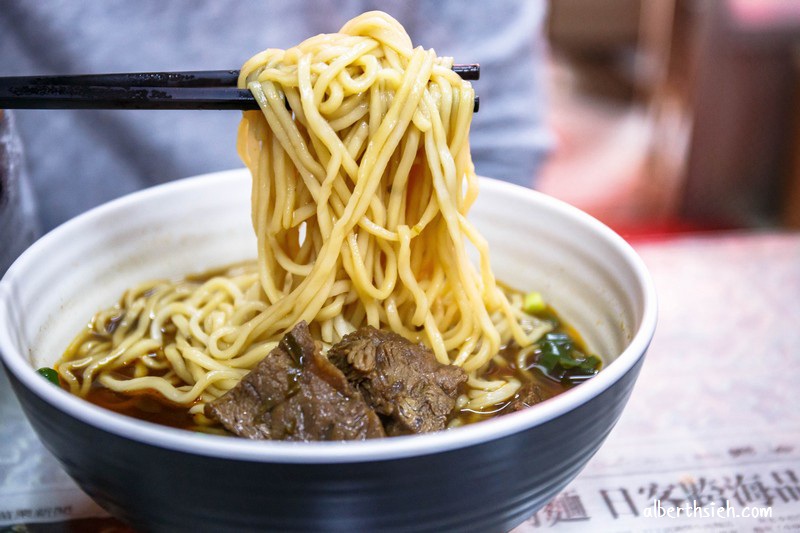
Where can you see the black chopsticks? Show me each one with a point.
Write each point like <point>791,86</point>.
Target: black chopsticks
<point>207,89</point>
<point>99,97</point>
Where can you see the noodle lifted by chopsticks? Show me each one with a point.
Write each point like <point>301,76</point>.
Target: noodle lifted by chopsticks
<point>360,194</point>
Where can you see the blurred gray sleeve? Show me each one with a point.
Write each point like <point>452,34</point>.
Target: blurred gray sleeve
<point>510,137</point>
<point>78,159</point>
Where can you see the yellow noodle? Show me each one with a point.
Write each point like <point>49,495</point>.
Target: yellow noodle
<point>359,202</point>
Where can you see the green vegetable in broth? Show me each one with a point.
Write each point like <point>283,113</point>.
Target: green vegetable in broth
<point>533,303</point>
<point>562,360</point>
<point>50,375</point>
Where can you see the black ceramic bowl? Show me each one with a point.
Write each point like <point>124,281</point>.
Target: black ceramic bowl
<point>485,477</point>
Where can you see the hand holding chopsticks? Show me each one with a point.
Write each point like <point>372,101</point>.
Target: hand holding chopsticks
<point>209,89</point>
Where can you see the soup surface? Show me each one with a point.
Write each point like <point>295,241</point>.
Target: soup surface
<point>558,362</point>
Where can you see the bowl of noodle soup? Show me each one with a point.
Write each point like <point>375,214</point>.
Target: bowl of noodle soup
<point>515,463</point>
<point>359,207</point>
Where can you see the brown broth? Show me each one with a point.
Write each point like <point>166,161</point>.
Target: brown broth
<point>533,374</point>
<point>146,405</point>
<point>150,406</point>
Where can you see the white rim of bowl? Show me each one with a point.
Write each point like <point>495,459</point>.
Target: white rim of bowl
<point>332,452</point>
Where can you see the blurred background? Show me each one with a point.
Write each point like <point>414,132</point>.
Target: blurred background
<point>676,115</point>
<point>656,116</point>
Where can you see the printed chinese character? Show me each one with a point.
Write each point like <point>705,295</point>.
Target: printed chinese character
<point>747,491</point>
<point>566,507</point>
<point>741,451</point>
<point>700,492</point>
<point>786,487</point>
<point>23,514</point>
<point>664,493</point>
<point>619,502</point>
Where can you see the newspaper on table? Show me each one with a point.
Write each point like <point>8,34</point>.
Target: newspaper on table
<point>710,440</point>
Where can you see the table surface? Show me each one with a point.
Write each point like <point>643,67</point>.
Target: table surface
<point>712,426</point>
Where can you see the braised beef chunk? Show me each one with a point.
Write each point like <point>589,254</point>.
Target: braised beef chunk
<point>531,394</point>
<point>401,380</point>
<point>294,393</point>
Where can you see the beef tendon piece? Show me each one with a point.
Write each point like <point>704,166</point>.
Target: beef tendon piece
<point>296,394</point>
<point>402,381</point>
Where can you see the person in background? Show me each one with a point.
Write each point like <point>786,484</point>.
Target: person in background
<point>18,220</point>
<point>78,159</point>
